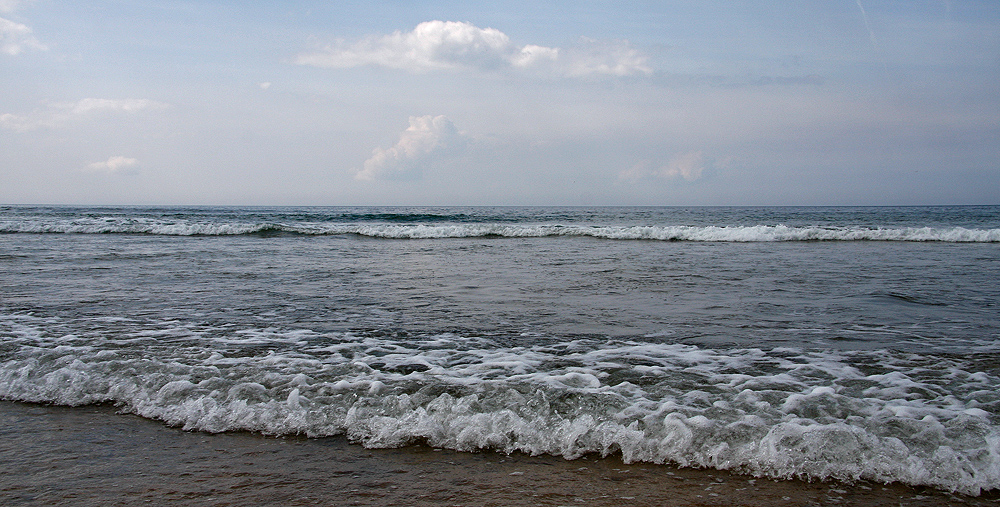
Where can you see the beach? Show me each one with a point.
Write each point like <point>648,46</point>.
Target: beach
<point>92,455</point>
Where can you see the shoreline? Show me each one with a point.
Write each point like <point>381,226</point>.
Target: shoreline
<point>93,455</point>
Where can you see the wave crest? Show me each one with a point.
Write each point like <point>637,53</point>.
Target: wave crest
<point>778,413</point>
<point>755,233</point>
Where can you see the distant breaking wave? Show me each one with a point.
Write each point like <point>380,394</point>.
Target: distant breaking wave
<point>755,233</point>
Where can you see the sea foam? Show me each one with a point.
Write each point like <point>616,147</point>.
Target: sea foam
<point>874,415</point>
<point>755,233</point>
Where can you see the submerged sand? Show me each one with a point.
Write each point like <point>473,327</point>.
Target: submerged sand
<point>95,456</point>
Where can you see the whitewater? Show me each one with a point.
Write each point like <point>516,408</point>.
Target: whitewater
<point>819,343</point>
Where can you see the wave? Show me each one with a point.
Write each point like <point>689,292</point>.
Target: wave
<point>756,233</point>
<point>778,413</point>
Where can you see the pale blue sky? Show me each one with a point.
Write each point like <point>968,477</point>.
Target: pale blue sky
<point>464,103</point>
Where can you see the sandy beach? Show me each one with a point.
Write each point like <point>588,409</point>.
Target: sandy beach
<point>95,456</point>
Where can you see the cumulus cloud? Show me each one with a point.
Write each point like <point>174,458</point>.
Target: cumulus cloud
<point>440,45</point>
<point>688,166</point>
<point>56,114</point>
<point>114,165</point>
<point>424,142</point>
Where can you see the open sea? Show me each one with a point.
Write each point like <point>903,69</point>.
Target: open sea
<point>819,343</point>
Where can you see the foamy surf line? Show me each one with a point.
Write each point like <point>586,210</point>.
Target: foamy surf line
<point>780,413</point>
<point>92,456</point>
<point>756,233</point>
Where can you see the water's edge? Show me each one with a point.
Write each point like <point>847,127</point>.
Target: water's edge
<point>95,455</point>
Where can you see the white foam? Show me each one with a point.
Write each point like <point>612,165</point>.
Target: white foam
<point>755,233</point>
<point>776,413</point>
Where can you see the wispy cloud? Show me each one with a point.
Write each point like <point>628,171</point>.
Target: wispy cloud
<point>16,37</point>
<point>57,114</point>
<point>444,45</point>
<point>126,105</point>
<point>17,123</point>
<point>8,6</point>
<point>689,166</point>
<point>427,140</point>
<point>114,165</point>
<point>610,58</point>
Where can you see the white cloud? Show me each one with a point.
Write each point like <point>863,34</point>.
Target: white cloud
<point>431,45</point>
<point>440,45</point>
<point>265,85</point>
<point>16,123</point>
<point>688,166</point>
<point>125,105</point>
<point>427,139</point>
<point>532,55</point>
<point>114,165</point>
<point>57,114</point>
<point>614,58</point>
<point>16,37</point>
<point>8,6</point>
<point>35,120</point>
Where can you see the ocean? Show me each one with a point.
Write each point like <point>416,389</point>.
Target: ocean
<point>838,344</point>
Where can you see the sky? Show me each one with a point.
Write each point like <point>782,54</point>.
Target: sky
<point>666,102</point>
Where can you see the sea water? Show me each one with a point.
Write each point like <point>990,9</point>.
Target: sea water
<point>819,343</point>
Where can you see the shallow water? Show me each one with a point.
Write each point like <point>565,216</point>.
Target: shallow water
<point>734,339</point>
<point>91,456</point>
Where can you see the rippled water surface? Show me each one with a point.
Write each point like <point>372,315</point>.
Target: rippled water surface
<point>812,342</point>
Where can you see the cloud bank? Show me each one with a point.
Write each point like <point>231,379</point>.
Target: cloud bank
<point>113,165</point>
<point>427,140</point>
<point>445,45</point>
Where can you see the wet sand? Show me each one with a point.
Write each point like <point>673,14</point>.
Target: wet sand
<point>95,456</point>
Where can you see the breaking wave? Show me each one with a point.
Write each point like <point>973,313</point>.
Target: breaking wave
<point>756,233</point>
<point>781,413</point>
